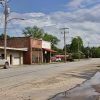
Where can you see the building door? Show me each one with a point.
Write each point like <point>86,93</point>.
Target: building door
<point>11,59</point>
<point>2,56</point>
<point>16,60</point>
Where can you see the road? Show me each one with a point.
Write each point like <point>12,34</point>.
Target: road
<point>39,82</point>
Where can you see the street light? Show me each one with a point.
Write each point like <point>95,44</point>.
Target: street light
<point>15,19</point>
<point>6,15</point>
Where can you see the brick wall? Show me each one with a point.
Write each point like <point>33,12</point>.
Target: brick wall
<point>36,43</point>
<point>20,42</point>
<point>16,42</point>
<point>24,42</point>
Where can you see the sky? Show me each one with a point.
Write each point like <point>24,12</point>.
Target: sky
<point>46,6</point>
<point>82,17</point>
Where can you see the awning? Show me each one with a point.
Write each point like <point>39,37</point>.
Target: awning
<point>50,50</point>
<point>17,49</point>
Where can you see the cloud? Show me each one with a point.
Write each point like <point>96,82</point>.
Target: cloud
<point>74,4</point>
<point>83,22</point>
<point>80,4</point>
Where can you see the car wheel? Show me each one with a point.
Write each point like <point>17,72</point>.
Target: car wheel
<point>6,66</point>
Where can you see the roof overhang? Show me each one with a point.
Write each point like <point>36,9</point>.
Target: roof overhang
<point>15,49</point>
<point>50,50</point>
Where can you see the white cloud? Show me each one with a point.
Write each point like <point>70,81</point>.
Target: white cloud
<point>74,4</point>
<point>79,4</point>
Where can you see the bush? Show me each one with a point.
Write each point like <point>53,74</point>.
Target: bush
<point>78,55</point>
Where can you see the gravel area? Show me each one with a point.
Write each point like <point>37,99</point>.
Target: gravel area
<point>40,82</point>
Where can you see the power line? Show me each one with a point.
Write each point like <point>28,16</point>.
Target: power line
<point>15,29</point>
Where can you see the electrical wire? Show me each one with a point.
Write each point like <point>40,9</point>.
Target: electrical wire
<point>15,29</point>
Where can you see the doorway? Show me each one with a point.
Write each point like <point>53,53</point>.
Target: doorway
<point>11,59</point>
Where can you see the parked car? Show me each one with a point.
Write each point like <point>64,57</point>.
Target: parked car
<point>58,59</point>
<point>53,59</point>
<point>4,63</point>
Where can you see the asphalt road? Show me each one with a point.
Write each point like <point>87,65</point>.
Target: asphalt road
<point>13,77</point>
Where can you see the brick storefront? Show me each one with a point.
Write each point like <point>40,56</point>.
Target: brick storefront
<point>35,52</point>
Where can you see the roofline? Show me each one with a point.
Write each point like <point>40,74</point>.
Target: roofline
<point>49,50</point>
<point>18,49</point>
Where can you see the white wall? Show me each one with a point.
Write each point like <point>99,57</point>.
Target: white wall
<point>17,56</point>
<point>46,44</point>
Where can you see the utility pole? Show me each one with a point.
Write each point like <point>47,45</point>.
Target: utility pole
<point>6,15</point>
<point>88,50</point>
<point>64,32</point>
<point>78,50</point>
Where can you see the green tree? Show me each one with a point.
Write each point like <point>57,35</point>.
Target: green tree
<point>95,52</point>
<point>77,44</point>
<point>58,50</point>
<point>35,32</point>
<point>67,48</point>
<point>76,48</point>
<point>2,36</point>
<point>87,52</point>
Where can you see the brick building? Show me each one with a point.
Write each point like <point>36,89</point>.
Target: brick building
<point>38,51</point>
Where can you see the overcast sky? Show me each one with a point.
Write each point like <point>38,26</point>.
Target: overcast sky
<point>82,17</point>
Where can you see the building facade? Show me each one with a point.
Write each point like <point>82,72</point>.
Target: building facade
<point>14,55</point>
<point>37,50</point>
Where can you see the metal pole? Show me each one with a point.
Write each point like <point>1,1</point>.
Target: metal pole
<point>78,50</point>
<point>88,50</point>
<point>6,15</point>
<point>65,44</point>
<point>5,29</point>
